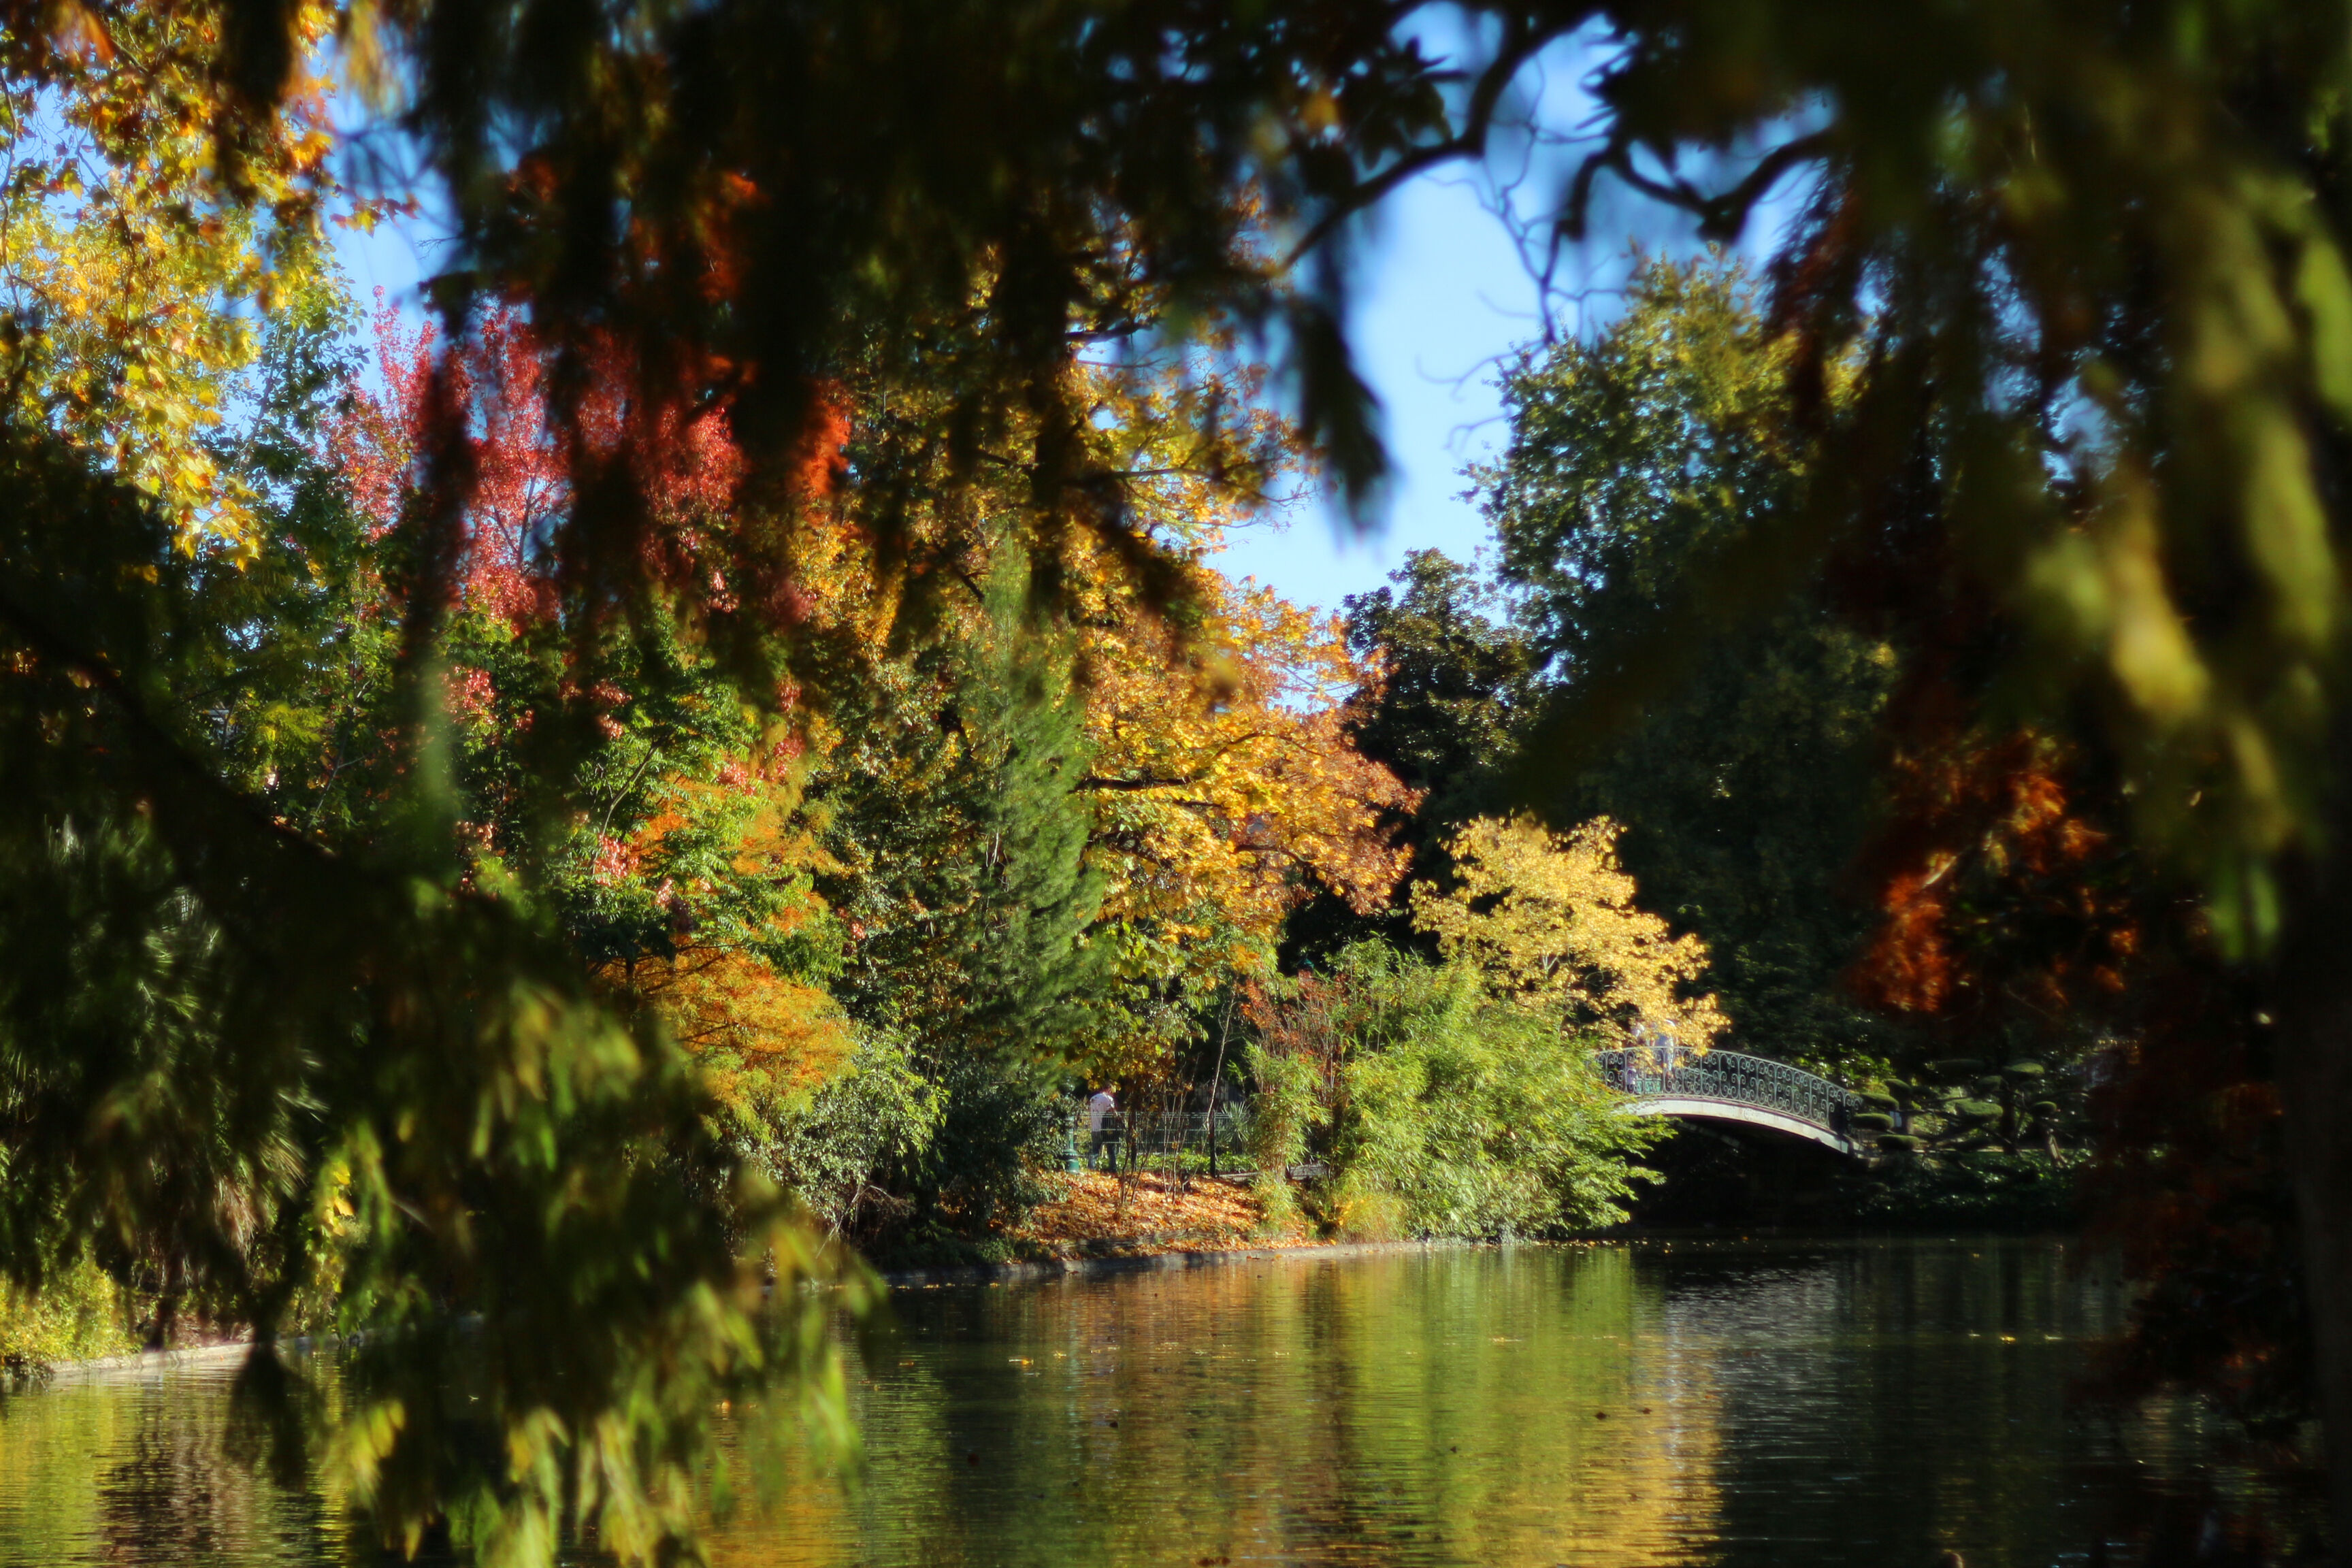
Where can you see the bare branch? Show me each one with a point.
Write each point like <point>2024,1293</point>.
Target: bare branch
<point>1521,43</point>
<point>1720,217</point>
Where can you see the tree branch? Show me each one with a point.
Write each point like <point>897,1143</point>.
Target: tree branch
<point>1720,217</point>
<point>1521,43</point>
<point>1146,781</point>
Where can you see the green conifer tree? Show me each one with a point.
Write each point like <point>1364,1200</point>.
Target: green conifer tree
<point>961,840</point>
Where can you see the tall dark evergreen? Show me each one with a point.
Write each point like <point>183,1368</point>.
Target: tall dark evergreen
<point>1457,678</point>
<point>1028,966</point>
<point>1456,681</point>
<point>959,839</point>
<point>957,835</point>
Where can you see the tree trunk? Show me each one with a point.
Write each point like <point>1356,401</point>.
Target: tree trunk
<point>2311,1008</point>
<point>1217,1079</point>
<point>2314,1080</point>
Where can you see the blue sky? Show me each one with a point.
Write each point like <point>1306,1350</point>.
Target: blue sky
<point>1444,300</point>
<point>1444,297</point>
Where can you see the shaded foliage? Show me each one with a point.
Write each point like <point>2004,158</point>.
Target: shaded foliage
<point>222,1027</point>
<point>1744,792</point>
<point>1455,679</point>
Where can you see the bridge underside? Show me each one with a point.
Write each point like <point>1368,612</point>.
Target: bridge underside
<point>1697,1107</point>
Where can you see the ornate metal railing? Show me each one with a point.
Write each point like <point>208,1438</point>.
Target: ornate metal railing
<point>1157,1135</point>
<point>1734,1076</point>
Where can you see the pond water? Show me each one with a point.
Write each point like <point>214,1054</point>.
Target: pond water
<point>1658,1402</point>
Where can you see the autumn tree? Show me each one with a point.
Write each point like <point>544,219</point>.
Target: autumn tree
<point>141,287</point>
<point>1226,790</point>
<point>1447,683</point>
<point>1552,922</point>
<point>1219,787</point>
<point>1215,788</point>
<point>2104,370</point>
<point>672,843</point>
<point>2020,929</point>
<point>318,1001</point>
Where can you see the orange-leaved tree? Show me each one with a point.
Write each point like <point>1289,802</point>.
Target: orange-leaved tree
<point>2020,929</point>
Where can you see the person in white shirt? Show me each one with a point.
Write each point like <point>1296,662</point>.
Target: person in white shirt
<point>1099,1110</point>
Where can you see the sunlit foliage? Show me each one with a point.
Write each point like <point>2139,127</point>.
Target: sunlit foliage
<point>1438,1107</point>
<point>146,235</point>
<point>1224,787</point>
<point>1552,922</point>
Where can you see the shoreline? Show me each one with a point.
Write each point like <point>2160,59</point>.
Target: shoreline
<point>1023,1272</point>
<point>1032,1271</point>
<point>1040,1270</point>
<point>91,1369</point>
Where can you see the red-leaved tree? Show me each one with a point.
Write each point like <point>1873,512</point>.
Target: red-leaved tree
<point>523,459</point>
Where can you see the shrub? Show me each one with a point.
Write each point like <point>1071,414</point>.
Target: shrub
<point>79,1312</point>
<point>1288,1105</point>
<point>1441,1109</point>
<point>1000,1122</point>
<point>2021,1194</point>
<point>835,1152</point>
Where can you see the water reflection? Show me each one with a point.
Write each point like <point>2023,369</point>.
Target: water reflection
<point>1463,1407</point>
<point>137,1469</point>
<point>1732,1403</point>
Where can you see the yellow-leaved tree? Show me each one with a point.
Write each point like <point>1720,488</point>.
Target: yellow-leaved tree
<point>145,238</point>
<point>1225,788</point>
<point>1549,919</point>
<point>1223,785</point>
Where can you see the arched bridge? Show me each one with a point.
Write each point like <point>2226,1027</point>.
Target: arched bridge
<point>1726,1086</point>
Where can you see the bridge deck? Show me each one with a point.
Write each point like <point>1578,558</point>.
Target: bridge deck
<point>1730,1086</point>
